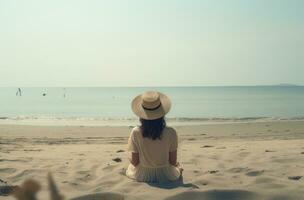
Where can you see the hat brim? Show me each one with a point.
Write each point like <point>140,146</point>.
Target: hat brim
<point>151,114</point>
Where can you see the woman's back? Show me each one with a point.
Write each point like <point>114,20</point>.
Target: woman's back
<point>153,153</point>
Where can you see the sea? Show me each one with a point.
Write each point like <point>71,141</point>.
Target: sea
<point>112,105</point>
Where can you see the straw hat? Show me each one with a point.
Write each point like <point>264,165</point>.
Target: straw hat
<point>151,105</point>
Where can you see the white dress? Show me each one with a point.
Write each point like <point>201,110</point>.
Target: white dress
<point>154,163</point>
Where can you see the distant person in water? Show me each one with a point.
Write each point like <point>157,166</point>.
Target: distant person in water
<point>153,145</point>
<point>18,93</point>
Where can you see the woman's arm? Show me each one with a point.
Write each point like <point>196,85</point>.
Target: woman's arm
<point>173,157</point>
<point>172,160</point>
<point>134,160</point>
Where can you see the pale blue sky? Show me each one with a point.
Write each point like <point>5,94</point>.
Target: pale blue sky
<point>151,42</point>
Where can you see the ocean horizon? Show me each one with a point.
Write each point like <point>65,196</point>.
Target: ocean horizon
<point>189,104</point>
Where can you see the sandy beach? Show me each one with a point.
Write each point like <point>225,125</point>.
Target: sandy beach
<point>254,160</point>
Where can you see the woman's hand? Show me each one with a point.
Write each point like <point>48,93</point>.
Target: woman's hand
<point>179,167</point>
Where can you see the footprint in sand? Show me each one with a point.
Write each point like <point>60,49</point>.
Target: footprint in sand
<point>255,173</point>
<point>117,159</point>
<point>238,169</point>
<point>295,178</point>
<point>213,171</point>
<point>244,154</point>
<point>206,146</point>
<point>108,168</point>
<point>221,148</point>
<point>84,176</point>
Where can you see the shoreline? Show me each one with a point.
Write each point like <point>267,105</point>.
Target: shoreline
<point>254,130</point>
<point>112,122</point>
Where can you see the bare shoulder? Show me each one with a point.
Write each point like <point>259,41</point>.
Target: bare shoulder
<point>135,130</point>
<point>171,130</point>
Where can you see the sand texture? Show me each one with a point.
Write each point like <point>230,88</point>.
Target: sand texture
<point>241,161</point>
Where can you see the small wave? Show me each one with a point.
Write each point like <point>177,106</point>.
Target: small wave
<point>237,119</point>
<point>132,119</point>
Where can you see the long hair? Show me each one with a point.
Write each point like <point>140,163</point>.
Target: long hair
<point>152,128</point>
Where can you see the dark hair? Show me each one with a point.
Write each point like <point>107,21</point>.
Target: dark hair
<point>152,128</point>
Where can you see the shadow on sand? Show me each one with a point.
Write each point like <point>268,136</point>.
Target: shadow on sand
<point>173,184</point>
<point>216,195</point>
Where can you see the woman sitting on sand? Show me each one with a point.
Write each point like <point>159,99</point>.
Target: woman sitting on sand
<point>153,145</point>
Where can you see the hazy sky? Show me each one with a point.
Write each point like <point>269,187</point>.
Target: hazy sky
<point>151,42</point>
